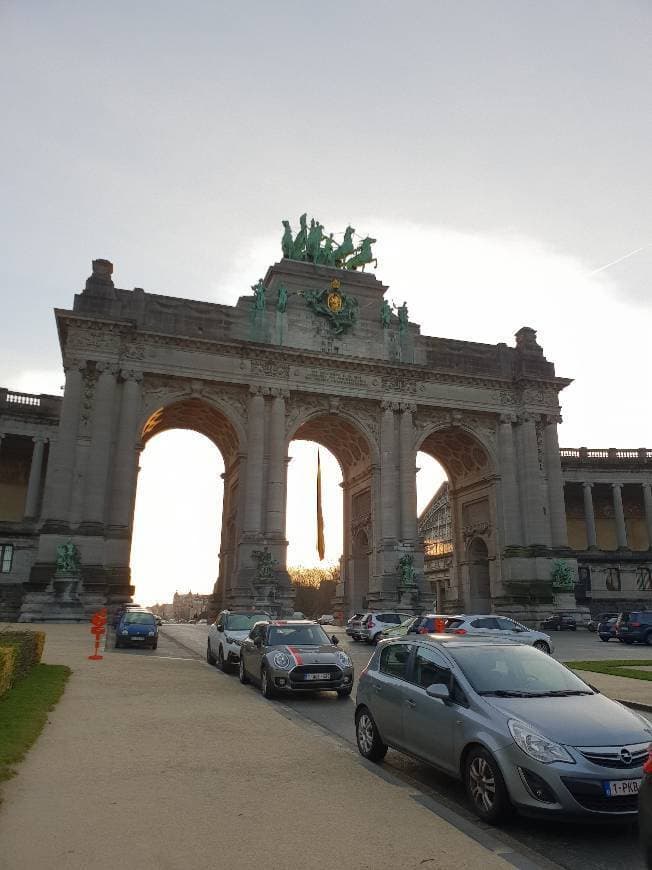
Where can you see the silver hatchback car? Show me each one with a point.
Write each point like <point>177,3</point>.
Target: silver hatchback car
<point>519,728</point>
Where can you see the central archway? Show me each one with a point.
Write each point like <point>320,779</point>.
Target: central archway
<point>470,557</point>
<point>348,441</point>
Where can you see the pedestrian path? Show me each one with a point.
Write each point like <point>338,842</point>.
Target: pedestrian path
<point>173,765</point>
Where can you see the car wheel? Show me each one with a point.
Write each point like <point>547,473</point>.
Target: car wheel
<point>155,644</point>
<point>605,639</point>
<point>620,639</point>
<point>344,693</point>
<point>485,787</point>
<point>266,687</point>
<point>648,638</point>
<point>242,672</point>
<point>628,642</point>
<point>210,658</point>
<point>377,637</point>
<point>573,628</point>
<point>370,745</point>
<point>221,661</point>
<point>541,645</point>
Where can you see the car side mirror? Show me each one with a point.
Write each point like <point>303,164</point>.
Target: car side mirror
<point>334,639</point>
<point>220,627</point>
<point>438,690</point>
<point>258,642</point>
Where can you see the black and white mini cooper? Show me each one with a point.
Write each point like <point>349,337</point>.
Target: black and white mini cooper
<point>294,656</point>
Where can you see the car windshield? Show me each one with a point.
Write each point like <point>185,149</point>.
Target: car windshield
<point>244,621</point>
<point>516,671</point>
<point>297,635</point>
<point>138,618</point>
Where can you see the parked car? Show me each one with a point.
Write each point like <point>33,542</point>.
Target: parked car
<point>645,810</point>
<point>607,629</point>
<point>354,619</point>
<point>136,627</point>
<point>635,627</point>
<point>593,623</point>
<point>487,625</point>
<point>226,634</point>
<point>430,623</point>
<point>559,622</point>
<point>326,619</point>
<point>294,656</point>
<point>520,729</point>
<point>372,625</point>
<point>399,630</point>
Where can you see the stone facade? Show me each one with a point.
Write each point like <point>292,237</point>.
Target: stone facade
<point>251,378</point>
<point>608,515</point>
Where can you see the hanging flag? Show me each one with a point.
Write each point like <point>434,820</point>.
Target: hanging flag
<point>320,517</point>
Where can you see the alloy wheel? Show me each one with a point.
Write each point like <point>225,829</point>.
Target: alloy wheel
<point>365,733</point>
<point>482,783</point>
<point>542,646</point>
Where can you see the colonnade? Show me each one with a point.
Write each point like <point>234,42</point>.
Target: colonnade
<point>619,514</point>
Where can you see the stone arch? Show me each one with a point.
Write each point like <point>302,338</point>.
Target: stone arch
<point>340,431</point>
<point>460,450</point>
<point>479,578</point>
<point>199,415</point>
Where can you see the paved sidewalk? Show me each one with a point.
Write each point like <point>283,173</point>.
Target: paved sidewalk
<point>168,763</point>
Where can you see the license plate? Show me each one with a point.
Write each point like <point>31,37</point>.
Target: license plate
<point>133,637</point>
<point>318,676</point>
<point>620,787</point>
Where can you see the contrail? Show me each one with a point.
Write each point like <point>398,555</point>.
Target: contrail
<point>620,259</point>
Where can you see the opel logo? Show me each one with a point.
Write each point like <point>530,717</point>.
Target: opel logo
<point>626,756</point>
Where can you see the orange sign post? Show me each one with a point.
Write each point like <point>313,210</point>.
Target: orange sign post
<point>98,628</point>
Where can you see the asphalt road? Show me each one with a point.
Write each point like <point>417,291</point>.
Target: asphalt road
<point>572,846</point>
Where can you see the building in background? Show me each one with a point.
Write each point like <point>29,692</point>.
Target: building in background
<point>608,499</point>
<point>190,606</point>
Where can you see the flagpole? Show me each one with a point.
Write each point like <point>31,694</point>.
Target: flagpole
<point>320,517</point>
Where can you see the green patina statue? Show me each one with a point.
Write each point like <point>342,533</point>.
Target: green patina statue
<point>406,570</point>
<point>282,299</point>
<point>259,295</point>
<point>562,577</point>
<point>68,559</point>
<point>402,312</point>
<point>312,244</point>
<point>265,565</point>
<point>385,314</point>
<point>340,309</point>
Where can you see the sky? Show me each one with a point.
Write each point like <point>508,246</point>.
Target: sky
<point>498,151</point>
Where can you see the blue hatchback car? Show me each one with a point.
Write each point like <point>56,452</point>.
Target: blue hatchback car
<point>136,628</point>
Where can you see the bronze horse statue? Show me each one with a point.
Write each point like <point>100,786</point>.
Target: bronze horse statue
<point>363,255</point>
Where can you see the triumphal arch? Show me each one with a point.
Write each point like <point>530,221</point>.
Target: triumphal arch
<point>314,351</point>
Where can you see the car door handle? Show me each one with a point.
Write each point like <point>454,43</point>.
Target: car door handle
<point>410,703</point>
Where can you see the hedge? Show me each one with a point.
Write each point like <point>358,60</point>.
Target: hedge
<point>19,652</point>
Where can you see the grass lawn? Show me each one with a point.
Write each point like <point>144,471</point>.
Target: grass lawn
<point>615,667</point>
<point>24,711</point>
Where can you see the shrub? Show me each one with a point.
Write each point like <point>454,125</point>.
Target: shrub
<point>27,648</point>
<point>7,661</point>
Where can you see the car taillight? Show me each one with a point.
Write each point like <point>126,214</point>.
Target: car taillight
<point>635,624</point>
<point>369,622</point>
<point>647,767</point>
<point>422,631</point>
<point>460,631</point>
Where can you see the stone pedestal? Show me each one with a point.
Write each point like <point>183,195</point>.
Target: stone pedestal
<point>61,601</point>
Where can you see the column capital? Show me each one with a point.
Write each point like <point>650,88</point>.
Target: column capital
<point>507,419</point>
<point>617,485</point>
<point>38,439</point>
<point>258,390</point>
<point>106,368</point>
<point>646,486</point>
<point>130,375</point>
<point>386,405</point>
<point>280,393</point>
<point>587,485</point>
<point>74,364</point>
<point>552,419</point>
<point>527,417</point>
<point>408,407</point>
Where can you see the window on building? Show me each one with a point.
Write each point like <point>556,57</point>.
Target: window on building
<point>6,558</point>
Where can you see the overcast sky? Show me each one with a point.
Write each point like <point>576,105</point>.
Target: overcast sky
<point>498,151</point>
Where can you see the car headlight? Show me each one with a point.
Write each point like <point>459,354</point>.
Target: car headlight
<point>150,633</point>
<point>536,745</point>
<point>124,631</point>
<point>343,659</point>
<point>282,660</point>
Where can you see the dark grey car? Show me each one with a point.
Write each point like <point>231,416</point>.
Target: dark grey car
<point>520,729</point>
<point>294,656</point>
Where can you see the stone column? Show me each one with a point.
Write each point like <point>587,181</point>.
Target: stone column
<point>556,504</point>
<point>589,517</point>
<point>647,501</point>
<point>255,459</point>
<point>533,490</point>
<point>511,511</point>
<point>277,466</point>
<point>34,482</point>
<point>619,514</point>
<point>127,450</point>
<point>408,476</point>
<point>388,471</point>
<point>100,446</point>
<point>58,485</point>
